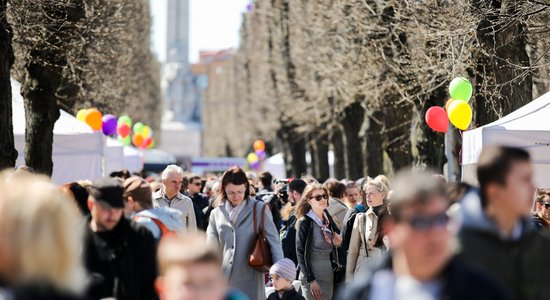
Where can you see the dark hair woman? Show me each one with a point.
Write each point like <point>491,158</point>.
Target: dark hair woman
<point>317,236</point>
<point>231,226</point>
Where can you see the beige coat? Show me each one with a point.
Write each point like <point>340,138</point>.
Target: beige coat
<point>236,240</point>
<point>365,230</point>
<point>337,210</point>
<point>181,203</point>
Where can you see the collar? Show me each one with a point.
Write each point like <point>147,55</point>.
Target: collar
<point>178,196</point>
<point>314,217</point>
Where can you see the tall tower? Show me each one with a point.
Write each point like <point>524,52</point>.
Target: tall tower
<point>179,101</point>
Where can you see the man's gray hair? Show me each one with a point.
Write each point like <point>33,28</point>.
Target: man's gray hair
<point>171,169</point>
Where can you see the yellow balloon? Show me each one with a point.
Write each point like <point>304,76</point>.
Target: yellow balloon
<point>460,114</point>
<point>81,114</point>
<point>146,131</point>
<point>252,158</point>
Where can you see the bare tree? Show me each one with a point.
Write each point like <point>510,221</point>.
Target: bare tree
<point>8,154</point>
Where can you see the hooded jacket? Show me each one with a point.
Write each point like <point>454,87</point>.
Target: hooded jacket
<point>171,218</point>
<point>459,282</point>
<point>519,263</point>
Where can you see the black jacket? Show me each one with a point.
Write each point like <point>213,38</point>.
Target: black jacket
<point>540,223</point>
<point>304,242</point>
<point>349,219</point>
<point>122,262</point>
<point>37,291</point>
<point>459,283</point>
<point>274,205</point>
<point>288,238</point>
<point>287,295</point>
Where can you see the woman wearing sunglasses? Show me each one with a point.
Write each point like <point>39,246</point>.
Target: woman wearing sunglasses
<point>367,237</point>
<point>317,236</point>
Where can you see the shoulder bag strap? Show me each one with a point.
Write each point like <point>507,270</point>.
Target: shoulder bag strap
<point>255,222</point>
<point>362,227</point>
<point>263,226</point>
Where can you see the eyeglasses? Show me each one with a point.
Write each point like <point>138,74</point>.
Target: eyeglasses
<point>197,183</point>
<point>426,222</point>
<point>320,197</point>
<point>546,205</point>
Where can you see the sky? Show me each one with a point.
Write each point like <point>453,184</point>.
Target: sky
<point>214,24</point>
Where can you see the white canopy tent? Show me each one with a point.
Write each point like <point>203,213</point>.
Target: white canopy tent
<point>527,128</point>
<point>132,160</point>
<point>77,150</point>
<point>114,155</point>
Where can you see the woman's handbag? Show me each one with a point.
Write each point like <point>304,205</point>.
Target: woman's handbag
<point>260,254</point>
<point>337,261</point>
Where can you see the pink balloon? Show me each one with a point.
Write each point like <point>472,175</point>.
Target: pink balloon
<point>437,119</point>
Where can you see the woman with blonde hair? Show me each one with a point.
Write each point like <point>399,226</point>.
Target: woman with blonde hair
<point>366,239</point>
<point>316,239</point>
<point>41,239</point>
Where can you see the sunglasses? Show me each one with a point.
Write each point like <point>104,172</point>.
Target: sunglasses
<point>320,197</point>
<point>197,183</point>
<point>546,205</point>
<point>426,222</point>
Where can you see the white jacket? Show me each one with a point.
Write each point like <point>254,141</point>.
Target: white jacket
<point>182,203</point>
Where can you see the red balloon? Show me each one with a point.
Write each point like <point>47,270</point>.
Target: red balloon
<point>147,142</point>
<point>437,119</point>
<point>123,130</point>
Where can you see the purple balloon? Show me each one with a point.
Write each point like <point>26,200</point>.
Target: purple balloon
<point>261,154</point>
<point>109,124</point>
<point>255,165</point>
<point>250,7</point>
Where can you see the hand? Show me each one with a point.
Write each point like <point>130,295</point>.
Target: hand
<point>316,290</point>
<point>337,240</point>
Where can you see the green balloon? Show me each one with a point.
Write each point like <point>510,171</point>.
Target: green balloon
<point>138,127</point>
<point>125,120</point>
<point>460,89</point>
<point>125,140</point>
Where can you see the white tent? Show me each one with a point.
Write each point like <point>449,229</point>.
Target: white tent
<point>275,165</point>
<point>527,128</point>
<point>77,150</point>
<point>133,159</point>
<point>113,151</point>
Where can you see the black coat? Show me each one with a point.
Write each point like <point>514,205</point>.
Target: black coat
<point>288,238</point>
<point>122,262</point>
<point>287,295</point>
<point>459,283</point>
<point>37,291</point>
<point>304,242</point>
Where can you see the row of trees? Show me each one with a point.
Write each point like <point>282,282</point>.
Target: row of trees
<point>74,54</point>
<point>357,76</point>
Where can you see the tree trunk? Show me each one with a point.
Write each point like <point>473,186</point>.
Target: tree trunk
<point>374,154</point>
<point>321,143</point>
<point>503,65</point>
<point>353,118</point>
<point>43,83</point>
<point>313,156</point>
<point>337,140</point>
<point>397,115</point>
<point>8,154</point>
<point>298,152</point>
<point>430,144</point>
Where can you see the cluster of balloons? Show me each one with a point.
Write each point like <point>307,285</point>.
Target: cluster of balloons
<point>142,136</point>
<point>255,158</point>
<point>457,110</point>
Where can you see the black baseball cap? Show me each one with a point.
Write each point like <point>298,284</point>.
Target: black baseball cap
<point>108,191</point>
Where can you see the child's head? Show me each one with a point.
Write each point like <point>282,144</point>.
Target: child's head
<point>190,268</point>
<point>282,274</point>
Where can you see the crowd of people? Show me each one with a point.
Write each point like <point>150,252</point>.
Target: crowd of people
<point>186,236</point>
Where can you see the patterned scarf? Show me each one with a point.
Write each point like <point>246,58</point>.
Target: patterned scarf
<point>324,224</point>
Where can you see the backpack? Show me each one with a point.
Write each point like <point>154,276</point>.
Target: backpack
<point>164,231</point>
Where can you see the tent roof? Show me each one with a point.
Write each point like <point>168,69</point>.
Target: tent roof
<point>533,117</point>
<point>67,124</point>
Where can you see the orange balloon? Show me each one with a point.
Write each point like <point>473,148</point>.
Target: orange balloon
<point>137,139</point>
<point>259,145</point>
<point>93,118</point>
<point>448,103</point>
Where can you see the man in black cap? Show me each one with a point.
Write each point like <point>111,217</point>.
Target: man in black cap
<point>119,255</point>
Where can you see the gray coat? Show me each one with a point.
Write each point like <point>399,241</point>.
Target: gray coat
<point>236,242</point>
